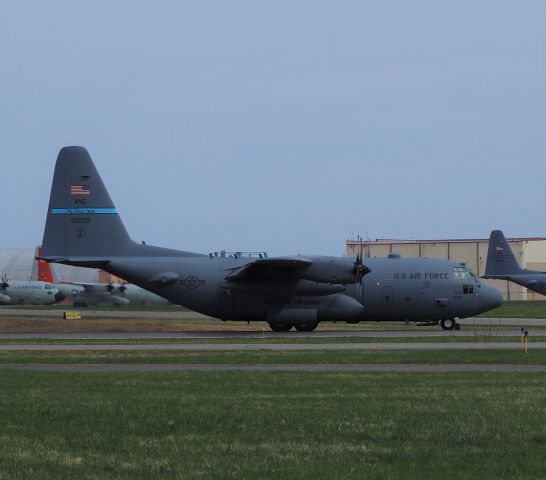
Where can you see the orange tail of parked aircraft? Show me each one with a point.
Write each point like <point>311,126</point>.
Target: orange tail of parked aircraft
<point>44,269</point>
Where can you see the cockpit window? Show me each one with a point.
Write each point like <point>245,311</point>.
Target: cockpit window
<point>463,273</point>
<point>459,272</point>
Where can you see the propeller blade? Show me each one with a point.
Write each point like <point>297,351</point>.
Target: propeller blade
<point>4,284</point>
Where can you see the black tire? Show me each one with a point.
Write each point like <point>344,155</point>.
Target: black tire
<point>448,324</point>
<point>306,327</point>
<point>280,326</point>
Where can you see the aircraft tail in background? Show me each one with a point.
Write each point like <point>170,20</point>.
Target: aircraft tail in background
<point>501,262</point>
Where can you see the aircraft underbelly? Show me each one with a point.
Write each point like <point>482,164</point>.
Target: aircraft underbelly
<point>336,307</point>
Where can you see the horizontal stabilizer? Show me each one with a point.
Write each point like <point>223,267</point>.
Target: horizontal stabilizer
<point>77,261</point>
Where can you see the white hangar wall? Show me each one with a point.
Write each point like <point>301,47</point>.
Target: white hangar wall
<point>19,264</point>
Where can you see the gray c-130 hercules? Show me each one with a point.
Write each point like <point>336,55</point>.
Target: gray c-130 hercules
<point>83,228</point>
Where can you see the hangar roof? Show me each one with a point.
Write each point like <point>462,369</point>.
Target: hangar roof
<point>449,240</point>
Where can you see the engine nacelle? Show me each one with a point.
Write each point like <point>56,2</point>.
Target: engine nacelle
<point>117,300</point>
<point>4,299</point>
<point>330,270</point>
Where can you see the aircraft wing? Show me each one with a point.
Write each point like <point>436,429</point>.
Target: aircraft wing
<point>90,287</point>
<point>269,269</point>
<point>329,270</point>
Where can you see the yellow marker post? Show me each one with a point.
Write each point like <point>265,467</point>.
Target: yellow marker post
<point>526,340</point>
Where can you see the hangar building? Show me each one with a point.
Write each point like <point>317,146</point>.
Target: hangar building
<point>529,252</point>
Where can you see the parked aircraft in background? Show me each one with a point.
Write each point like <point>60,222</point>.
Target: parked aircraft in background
<point>85,294</point>
<point>502,265</point>
<point>22,292</point>
<point>83,228</point>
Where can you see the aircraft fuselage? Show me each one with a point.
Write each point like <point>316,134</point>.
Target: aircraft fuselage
<point>397,289</point>
<point>28,293</point>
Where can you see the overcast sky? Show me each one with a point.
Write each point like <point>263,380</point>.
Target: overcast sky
<point>285,126</point>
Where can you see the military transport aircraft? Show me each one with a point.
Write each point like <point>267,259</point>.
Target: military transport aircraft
<point>83,294</point>
<point>22,292</point>
<point>502,265</point>
<point>83,228</point>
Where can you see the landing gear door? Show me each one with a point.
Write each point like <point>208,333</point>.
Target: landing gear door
<point>226,302</point>
<point>386,296</point>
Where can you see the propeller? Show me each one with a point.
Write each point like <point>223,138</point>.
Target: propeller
<point>4,285</point>
<point>110,287</point>
<point>359,269</point>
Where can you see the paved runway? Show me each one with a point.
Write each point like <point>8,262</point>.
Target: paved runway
<point>326,367</point>
<point>274,347</point>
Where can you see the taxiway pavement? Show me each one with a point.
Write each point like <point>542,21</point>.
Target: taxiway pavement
<point>306,367</point>
<point>275,347</point>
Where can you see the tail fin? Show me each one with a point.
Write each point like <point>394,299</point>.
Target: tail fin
<point>44,273</point>
<point>501,262</point>
<point>82,221</point>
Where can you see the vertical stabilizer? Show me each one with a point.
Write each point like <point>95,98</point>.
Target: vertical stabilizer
<point>500,258</point>
<point>82,220</point>
<point>43,269</point>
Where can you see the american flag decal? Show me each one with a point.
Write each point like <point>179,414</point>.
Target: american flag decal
<point>499,249</point>
<point>79,190</point>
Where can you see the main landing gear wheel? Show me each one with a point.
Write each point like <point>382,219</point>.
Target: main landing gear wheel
<point>306,327</point>
<point>449,324</point>
<point>280,326</point>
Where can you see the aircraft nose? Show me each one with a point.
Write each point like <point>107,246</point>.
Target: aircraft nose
<point>490,298</point>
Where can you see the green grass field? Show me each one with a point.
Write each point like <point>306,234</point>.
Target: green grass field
<point>537,357</point>
<point>518,309</point>
<point>275,425</point>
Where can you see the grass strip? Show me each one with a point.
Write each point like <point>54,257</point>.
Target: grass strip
<point>518,309</point>
<point>533,357</point>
